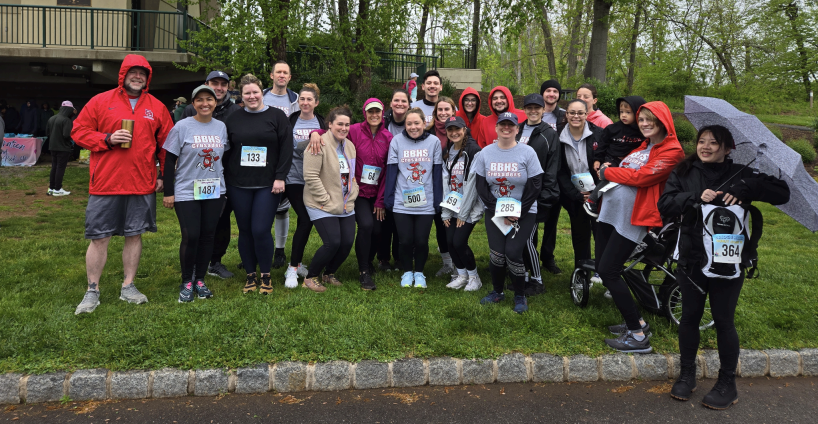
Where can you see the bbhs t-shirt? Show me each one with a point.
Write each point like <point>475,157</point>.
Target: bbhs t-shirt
<point>454,179</point>
<point>507,170</point>
<point>200,148</point>
<point>527,130</point>
<point>427,109</point>
<point>301,134</point>
<point>415,160</point>
<point>279,101</point>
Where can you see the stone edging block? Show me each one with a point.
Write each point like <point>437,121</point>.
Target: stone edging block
<point>97,384</point>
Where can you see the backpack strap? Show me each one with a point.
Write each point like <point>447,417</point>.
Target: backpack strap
<point>757,228</point>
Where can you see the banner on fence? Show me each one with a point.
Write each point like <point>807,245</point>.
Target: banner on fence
<point>21,151</point>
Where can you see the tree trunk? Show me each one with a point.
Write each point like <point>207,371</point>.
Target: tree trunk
<point>424,18</point>
<point>792,14</point>
<point>519,64</point>
<point>598,52</point>
<point>475,33</point>
<point>549,44</point>
<point>634,37</point>
<point>343,20</point>
<point>277,16</point>
<point>360,74</point>
<point>573,48</point>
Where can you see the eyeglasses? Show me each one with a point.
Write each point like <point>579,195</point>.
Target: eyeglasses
<point>469,100</point>
<point>574,113</point>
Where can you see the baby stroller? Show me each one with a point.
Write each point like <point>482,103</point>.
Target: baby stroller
<point>649,274</point>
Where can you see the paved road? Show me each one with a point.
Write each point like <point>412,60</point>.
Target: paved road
<point>762,400</point>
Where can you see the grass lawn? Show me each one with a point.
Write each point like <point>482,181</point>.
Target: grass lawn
<point>804,121</point>
<point>43,280</point>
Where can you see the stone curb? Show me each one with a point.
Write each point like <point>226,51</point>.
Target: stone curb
<point>99,384</point>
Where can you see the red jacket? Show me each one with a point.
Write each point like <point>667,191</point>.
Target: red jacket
<point>487,133</point>
<point>650,179</point>
<point>474,124</point>
<point>114,170</point>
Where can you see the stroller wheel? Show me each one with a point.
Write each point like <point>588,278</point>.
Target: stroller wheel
<point>672,304</point>
<point>580,287</point>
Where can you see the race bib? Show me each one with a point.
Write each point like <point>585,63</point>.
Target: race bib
<point>342,162</point>
<point>414,197</point>
<point>727,248</point>
<point>253,156</point>
<point>452,201</point>
<point>507,206</point>
<point>208,188</point>
<point>583,182</point>
<point>370,175</point>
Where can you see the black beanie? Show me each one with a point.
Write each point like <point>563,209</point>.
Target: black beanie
<point>552,83</point>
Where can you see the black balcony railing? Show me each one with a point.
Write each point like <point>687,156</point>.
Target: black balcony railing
<point>449,55</point>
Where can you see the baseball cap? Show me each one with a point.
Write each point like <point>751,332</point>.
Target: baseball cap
<point>508,116</point>
<point>455,121</point>
<point>217,74</point>
<point>533,99</point>
<point>413,75</point>
<point>201,88</point>
<point>67,103</point>
<point>181,99</point>
<point>373,105</point>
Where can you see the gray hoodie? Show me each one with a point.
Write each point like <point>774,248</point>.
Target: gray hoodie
<point>575,157</point>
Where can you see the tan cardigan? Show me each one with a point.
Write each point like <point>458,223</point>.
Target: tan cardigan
<point>322,177</point>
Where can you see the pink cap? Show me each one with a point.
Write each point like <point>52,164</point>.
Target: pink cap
<point>67,103</point>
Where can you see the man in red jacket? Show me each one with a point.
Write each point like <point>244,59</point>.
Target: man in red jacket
<point>500,100</point>
<point>124,180</point>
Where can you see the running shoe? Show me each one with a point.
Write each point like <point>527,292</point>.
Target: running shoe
<point>219,270</point>
<point>50,192</point>
<point>621,329</point>
<point>458,282</point>
<point>330,278</point>
<point>627,343</point>
<point>60,192</point>
<point>366,282</point>
<point>290,278</point>
<point>130,294</point>
<point>534,287</point>
<point>314,285</point>
<point>407,279</point>
<point>266,285</point>
<point>446,269</point>
<point>89,302</point>
<point>520,304</point>
<point>280,259</point>
<point>551,266</point>
<point>591,208</point>
<point>250,285</point>
<point>186,292</point>
<point>474,283</point>
<point>384,266</point>
<point>420,280</point>
<point>202,290</point>
<point>302,270</point>
<point>493,297</point>
<point>596,279</point>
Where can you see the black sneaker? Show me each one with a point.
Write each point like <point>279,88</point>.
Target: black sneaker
<point>685,385</point>
<point>384,266</point>
<point>724,393</point>
<point>366,282</point>
<point>201,289</point>
<point>186,292</point>
<point>551,266</point>
<point>280,259</point>
<point>534,287</point>
<point>627,343</point>
<point>219,270</point>
<point>591,208</point>
<point>618,330</point>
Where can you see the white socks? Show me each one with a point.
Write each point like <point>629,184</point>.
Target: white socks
<point>472,272</point>
<point>461,272</point>
<point>282,230</point>
<point>447,258</point>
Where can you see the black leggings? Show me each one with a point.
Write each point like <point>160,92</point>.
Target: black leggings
<point>59,160</point>
<point>506,251</point>
<point>197,220</point>
<point>369,230</point>
<point>582,228</point>
<point>612,251</point>
<point>295,192</point>
<point>458,239</point>
<point>338,235</point>
<point>255,209</point>
<point>388,242</point>
<point>413,233</point>
<point>222,239</point>
<point>723,300</point>
<point>440,234</point>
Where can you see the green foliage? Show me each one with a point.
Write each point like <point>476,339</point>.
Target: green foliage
<point>607,93</point>
<point>685,131</point>
<point>803,148</point>
<point>689,147</point>
<point>448,88</point>
<point>663,81</point>
<point>776,130</point>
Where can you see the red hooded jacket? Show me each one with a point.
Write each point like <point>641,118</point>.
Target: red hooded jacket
<point>114,170</point>
<point>651,178</point>
<point>474,124</point>
<point>487,133</point>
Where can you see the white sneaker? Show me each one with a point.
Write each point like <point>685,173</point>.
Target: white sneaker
<point>458,281</point>
<point>474,283</point>
<point>596,279</point>
<point>302,270</point>
<point>608,294</point>
<point>60,192</point>
<point>447,269</point>
<point>50,192</point>
<point>291,278</point>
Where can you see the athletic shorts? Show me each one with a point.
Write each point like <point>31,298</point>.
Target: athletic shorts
<point>120,215</point>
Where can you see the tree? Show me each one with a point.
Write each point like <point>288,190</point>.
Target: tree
<point>596,66</point>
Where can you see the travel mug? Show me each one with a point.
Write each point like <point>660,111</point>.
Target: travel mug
<point>127,124</point>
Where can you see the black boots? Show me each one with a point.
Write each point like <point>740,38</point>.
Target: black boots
<point>686,384</point>
<point>724,393</point>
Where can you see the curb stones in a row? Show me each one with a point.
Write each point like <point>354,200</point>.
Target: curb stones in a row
<point>98,384</point>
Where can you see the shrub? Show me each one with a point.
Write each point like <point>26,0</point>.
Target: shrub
<point>803,148</point>
<point>606,94</point>
<point>689,147</point>
<point>776,130</point>
<point>685,131</point>
<point>448,88</point>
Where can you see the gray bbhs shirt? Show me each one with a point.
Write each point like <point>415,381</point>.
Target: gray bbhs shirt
<point>507,170</point>
<point>415,160</point>
<point>200,148</point>
<point>281,102</point>
<point>427,109</point>
<point>301,134</point>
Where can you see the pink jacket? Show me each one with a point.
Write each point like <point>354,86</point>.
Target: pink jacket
<point>599,119</point>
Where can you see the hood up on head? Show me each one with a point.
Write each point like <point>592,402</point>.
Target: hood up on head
<point>461,110</point>
<point>635,102</point>
<point>370,100</point>
<point>662,112</point>
<point>509,97</point>
<point>129,62</point>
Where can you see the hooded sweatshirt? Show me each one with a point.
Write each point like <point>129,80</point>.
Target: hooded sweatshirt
<point>619,139</point>
<point>58,130</point>
<point>651,177</point>
<point>487,133</point>
<point>30,116</point>
<point>115,170</point>
<point>599,119</point>
<point>475,122</point>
